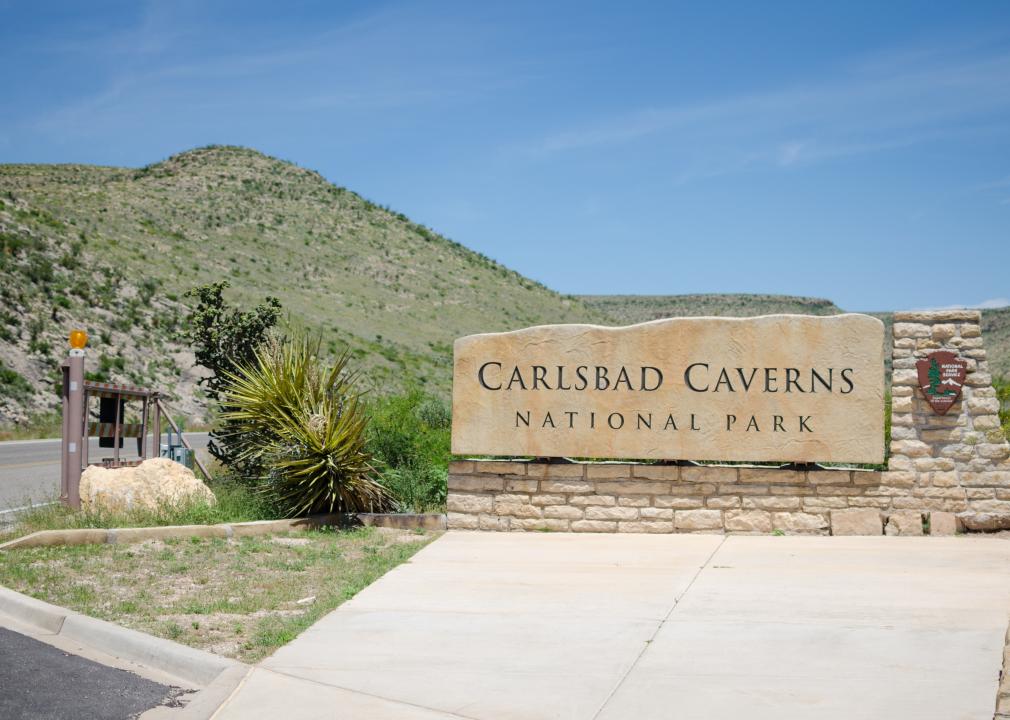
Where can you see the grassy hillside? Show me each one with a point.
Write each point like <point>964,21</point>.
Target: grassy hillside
<point>115,249</point>
<point>996,331</point>
<point>630,309</point>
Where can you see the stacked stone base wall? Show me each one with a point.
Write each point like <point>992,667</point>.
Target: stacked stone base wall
<point>641,498</point>
<point>946,472</point>
<point>956,462</point>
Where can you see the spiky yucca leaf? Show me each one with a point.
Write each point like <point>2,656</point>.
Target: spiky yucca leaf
<point>302,422</point>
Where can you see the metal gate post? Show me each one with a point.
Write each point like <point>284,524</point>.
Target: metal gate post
<point>73,419</point>
<point>64,443</point>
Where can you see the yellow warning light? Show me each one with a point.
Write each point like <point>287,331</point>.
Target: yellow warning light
<point>78,339</point>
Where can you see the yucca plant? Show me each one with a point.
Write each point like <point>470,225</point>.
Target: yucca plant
<point>302,424</point>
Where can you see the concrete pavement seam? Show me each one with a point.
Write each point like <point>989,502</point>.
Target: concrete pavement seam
<point>231,694</point>
<point>368,694</point>
<point>208,702</point>
<point>648,644</point>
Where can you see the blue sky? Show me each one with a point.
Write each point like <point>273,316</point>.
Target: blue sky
<point>859,152</point>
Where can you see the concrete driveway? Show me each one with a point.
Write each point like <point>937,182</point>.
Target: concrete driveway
<point>692,627</point>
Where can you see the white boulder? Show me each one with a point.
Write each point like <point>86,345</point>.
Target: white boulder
<point>155,484</point>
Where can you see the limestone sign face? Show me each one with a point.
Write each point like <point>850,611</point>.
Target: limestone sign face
<point>774,388</point>
<point>941,377</point>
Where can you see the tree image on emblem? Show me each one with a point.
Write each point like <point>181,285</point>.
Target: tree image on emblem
<point>934,379</point>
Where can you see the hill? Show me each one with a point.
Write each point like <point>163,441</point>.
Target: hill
<point>115,250</point>
<point>996,331</point>
<point>629,309</point>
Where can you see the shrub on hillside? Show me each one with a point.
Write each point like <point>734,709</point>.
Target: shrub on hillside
<point>13,384</point>
<point>408,438</point>
<point>302,423</point>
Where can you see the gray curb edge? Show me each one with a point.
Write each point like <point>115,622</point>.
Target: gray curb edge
<point>216,676</point>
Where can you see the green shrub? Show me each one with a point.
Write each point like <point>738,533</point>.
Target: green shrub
<point>887,426</point>
<point>13,384</point>
<point>38,425</point>
<point>416,487</point>
<point>40,270</point>
<point>1003,393</point>
<point>408,437</point>
<point>301,423</point>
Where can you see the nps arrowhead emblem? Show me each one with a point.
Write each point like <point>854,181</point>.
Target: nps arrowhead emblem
<point>941,377</point>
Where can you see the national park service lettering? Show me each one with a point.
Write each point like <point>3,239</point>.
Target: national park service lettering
<point>941,378</point>
<point>788,388</point>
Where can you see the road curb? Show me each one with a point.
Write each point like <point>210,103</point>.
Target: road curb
<point>194,666</point>
<point>215,676</point>
<point>116,536</point>
<point>31,611</point>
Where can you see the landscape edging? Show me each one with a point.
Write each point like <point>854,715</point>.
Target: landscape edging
<point>91,536</point>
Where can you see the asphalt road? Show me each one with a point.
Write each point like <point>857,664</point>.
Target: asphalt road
<point>39,681</point>
<point>30,469</point>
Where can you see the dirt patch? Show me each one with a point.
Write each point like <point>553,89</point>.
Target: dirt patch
<point>292,541</point>
<point>237,598</point>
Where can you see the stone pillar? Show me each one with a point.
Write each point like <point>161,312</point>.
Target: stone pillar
<point>948,464</point>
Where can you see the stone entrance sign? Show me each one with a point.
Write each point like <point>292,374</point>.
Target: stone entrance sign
<point>774,388</point>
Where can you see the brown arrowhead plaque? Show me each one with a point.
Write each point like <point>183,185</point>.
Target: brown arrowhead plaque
<point>941,377</point>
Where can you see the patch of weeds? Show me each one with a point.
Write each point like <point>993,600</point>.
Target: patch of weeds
<point>235,597</point>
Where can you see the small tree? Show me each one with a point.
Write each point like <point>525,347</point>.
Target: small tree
<point>934,377</point>
<point>223,339</point>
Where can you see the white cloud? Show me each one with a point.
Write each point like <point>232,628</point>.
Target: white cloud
<point>990,304</point>
<point>378,60</point>
<point>870,108</point>
<point>994,303</point>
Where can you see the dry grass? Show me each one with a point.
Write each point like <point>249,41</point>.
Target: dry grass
<point>238,598</point>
